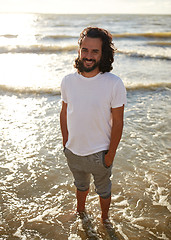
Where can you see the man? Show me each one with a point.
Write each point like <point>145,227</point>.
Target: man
<point>92,116</point>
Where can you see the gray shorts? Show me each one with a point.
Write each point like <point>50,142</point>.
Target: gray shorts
<point>82,167</point>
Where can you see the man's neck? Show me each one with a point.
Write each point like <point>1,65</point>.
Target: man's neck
<point>90,74</point>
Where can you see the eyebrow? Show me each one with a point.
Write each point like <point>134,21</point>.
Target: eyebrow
<point>94,50</point>
<point>83,48</point>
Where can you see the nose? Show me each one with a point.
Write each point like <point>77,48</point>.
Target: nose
<point>89,55</point>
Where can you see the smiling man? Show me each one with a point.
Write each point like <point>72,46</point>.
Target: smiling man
<point>92,117</point>
<point>90,56</point>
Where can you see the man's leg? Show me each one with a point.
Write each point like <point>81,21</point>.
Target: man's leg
<point>81,199</point>
<point>81,177</point>
<point>105,204</point>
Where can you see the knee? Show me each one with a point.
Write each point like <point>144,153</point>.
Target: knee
<point>105,196</point>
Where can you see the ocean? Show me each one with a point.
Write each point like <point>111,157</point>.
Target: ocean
<point>37,195</point>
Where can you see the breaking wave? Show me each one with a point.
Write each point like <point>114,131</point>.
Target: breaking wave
<point>144,55</point>
<point>166,35</point>
<point>58,37</point>
<point>160,44</point>
<point>28,90</point>
<point>53,92</point>
<point>38,49</point>
<point>151,35</point>
<point>9,36</point>
<point>161,35</point>
<point>53,49</point>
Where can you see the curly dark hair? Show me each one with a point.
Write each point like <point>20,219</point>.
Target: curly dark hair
<point>108,48</point>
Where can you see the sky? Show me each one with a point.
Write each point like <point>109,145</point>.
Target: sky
<point>87,6</point>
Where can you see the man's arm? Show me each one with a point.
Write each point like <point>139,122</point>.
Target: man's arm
<point>63,122</point>
<point>116,134</point>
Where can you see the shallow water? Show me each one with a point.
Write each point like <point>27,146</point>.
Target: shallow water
<point>37,195</point>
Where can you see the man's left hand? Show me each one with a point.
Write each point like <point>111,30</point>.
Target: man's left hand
<point>109,159</point>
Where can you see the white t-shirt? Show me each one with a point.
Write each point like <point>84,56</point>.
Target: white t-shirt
<point>89,102</point>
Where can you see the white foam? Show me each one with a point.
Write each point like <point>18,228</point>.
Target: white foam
<point>18,233</point>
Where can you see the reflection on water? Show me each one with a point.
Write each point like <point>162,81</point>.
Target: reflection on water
<point>17,29</point>
<point>37,198</point>
<point>37,192</point>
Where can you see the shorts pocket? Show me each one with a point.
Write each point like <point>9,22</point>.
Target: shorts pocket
<point>103,159</point>
<point>95,158</point>
<point>66,151</point>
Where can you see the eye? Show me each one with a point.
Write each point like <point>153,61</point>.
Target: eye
<point>84,50</point>
<point>95,51</point>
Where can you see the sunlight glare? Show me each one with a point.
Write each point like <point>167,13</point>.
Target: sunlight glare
<point>17,29</point>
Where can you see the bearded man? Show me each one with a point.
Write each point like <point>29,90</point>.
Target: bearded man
<point>91,117</point>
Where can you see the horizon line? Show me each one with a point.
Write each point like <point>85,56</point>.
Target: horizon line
<point>65,13</point>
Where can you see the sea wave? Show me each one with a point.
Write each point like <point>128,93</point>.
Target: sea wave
<point>58,37</point>
<point>28,90</point>
<point>9,36</point>
<point>161,35</point>
<point>153,35</point>
<point>160,44</point>
<point>52,49</point>
<point>144,55</point>
<point>166,35</point>
<point>54,92</point>
<point>39,49</point>
<point>149,87</point>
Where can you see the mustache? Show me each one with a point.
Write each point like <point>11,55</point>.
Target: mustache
<point>86,59</point>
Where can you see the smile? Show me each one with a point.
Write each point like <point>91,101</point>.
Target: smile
<point>89,61</point>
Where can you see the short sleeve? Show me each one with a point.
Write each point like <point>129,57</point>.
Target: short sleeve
<point>118,94</point>
<point>63,91</point>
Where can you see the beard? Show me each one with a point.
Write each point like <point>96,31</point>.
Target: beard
<point>82,68</point>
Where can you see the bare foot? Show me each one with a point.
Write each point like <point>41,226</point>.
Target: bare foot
<point>106,223</point>
<point>82,214</point>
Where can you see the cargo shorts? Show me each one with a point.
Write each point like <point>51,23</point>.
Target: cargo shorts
<point>82,167</point>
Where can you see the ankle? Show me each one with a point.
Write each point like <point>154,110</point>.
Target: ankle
<point>80,210</point>
<point>81,199</point>
<point>104,218</point>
